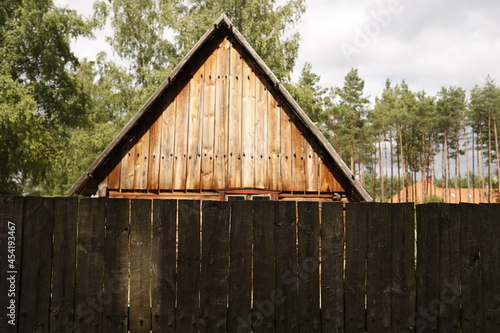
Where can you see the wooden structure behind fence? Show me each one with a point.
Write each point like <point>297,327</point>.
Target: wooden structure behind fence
<point>114,265</point>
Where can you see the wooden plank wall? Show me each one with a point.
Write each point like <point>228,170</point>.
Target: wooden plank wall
<point>223,127</point>
<point>249,266</point>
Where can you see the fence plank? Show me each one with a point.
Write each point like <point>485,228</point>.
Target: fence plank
<point>308,266</point>
<point>11,225</point>
<point>64,264</point>
<point>163,265</point>
<point>240,269</point>
<point>427,273</point>
<point>470,275</point>
<point>449,269</point>
<point>355,319</point>
<point>188,268</point>
<point>332,267</point>
<point>403,267</point>
<point>490,231</point>
<point>116,262</point>
<point>286,266</point>
<point>89,264</point>
<point>379,270</point>
<point>140,265</point>
<point>36,265</point>
<point>214,266</point>
<point>264,299</point>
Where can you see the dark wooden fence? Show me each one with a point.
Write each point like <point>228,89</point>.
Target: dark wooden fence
<point>114,265</point>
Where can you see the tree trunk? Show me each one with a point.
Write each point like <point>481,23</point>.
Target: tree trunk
<point>467,163</point>
<point>498,155</point>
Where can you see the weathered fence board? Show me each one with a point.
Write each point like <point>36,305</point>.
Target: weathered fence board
<point>119,265</point>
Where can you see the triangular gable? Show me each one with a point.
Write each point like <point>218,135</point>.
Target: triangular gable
<point>222,120</point>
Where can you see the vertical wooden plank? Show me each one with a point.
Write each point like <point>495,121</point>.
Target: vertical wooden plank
<point>355,288</point>
<point>188,266</point>
<point>116,266</point>
<point>261,135</point>
<point>114,177</point>
<point>286,155</point>
<point>195,130</point>
<point>332,267</point>
<point>286,266</point>
<point>490,229</point>
<point>214,266</point>
<point>163,265</point>
<point>181,138</point>
<point>167,146</point>
<point>308,267</point>
<point>11,229</point>
<point>273,180</point>
<point>36,265</point>
<point>154,155</point>
<point>264,293</point>
<point>427,274</point>
<point>379,270</point>
<point>234,137</point>
<point>141,162</point>
<point>449,269</point>
<point>240,268</point>
<point>248,127</point>
<point>127,166</point>
<point>64,264</point>
<point>89,264</point>
<point>403,267</point>
<point>221,116</point>
<point>298,163</point>
<point>471,239</point>
<point>207,155</point>
<point>310,166</point>
<point>140,265</point>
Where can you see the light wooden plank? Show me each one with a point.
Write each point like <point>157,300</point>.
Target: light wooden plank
<point>261,135</point>
<point>114,177</point>
<point>128,166</point>
<point>195,129</point>
<point>311,166</point>
<point>141,162</point>
<point>273,179</point>
<point>222,116</point>
<point>248,127</point>
<point>286,155</point>
<point>210,95</point>
<point>154,155</point>
<point>167,146</point>
<point>234,133</point>
<point>181,138</point>
<point>298,163</point>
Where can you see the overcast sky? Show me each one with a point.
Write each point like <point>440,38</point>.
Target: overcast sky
<point>427,43</point>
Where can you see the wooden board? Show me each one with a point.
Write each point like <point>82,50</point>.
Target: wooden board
<point>285,238</point>
<point>195,129</point>
<point>427,273</point>
<point>240,269</point>
<point>298,163</point>
<point>470,276</point>
<point>208,136</point>
<point>127,165</point>
<point>308,266</point>
<point>355,289</point>
<point>154,155</point>
<point>89,264</point>
<point>11,210</point>
<point>248,127</point>
<point>140,265</point>
<point>167,146</point>
<point>286,156</point>
<point>234,133</point>
<point>63,263</point>
<point>379,269</point>
<point>273,179</point>
<point>163,262</point>
<point>260,153</point>
<point>181,138</point>
<point>141,162</point>
<point>188,266</point>
<point>403,266</point>
<point>214,266</point>
<point>332,267</point>
<point>311,166</point>
<point>114,177</point>
<point>264,297</point>
<point>221,116</point>
<point>116,267</point>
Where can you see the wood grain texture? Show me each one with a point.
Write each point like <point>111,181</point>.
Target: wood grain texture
<point>248,126</point>
<point>141,158</point>
<point>260,152</point>
<point>167,145</point>
<point>181,138</point>
<point>208,133</point>
<point>273,179</point>
<point>286,156</point>
<point>235,123</point>
<point>195,129</point>
<point>154,155</point>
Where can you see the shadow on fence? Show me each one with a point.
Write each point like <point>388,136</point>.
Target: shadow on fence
<point>119,265</point>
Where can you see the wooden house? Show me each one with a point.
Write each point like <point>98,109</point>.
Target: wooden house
<point>221,127</point>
